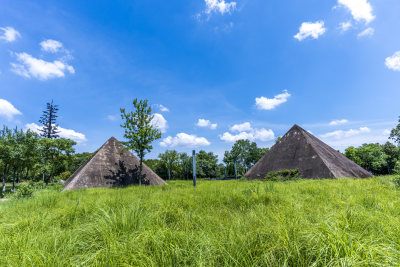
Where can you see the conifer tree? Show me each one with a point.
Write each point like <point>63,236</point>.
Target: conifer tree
<point>49,122</point>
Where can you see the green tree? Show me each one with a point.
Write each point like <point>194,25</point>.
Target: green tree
<point>369,156</point>
<point>169,159</point>
<point>206,164</point>
<point>184,161</point>
<point>395,133</point>
<point>139,130</point>
<point>49,121</point>
<point>392,153</point>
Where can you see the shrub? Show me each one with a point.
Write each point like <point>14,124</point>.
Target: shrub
<point>283,175</point>
<point>396,169</point>
<point>64,176</point>
<point>1,193</point>
<point>396,180</point>
<point>24,191</point>
<point>38,185</point>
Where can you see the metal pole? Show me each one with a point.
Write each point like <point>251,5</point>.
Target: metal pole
<point>194,167</point>
<point>225,171</point>
<point>235,170</point>
<point>388,167</point>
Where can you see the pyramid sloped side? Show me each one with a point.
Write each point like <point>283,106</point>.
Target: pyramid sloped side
<point>111,166</point>
<point>293,151</point>
<point>337,163</point>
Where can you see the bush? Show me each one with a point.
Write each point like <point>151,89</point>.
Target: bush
<point>24,191</point>
<point>396,169</point>
<point>38,185</point>
<point>396,180</point>
<point>1,193</point>
<point>64,176</point>
<point>283,175</point>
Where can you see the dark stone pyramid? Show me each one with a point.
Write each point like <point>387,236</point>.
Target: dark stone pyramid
<point>108,167</point>
<point>298,149</point>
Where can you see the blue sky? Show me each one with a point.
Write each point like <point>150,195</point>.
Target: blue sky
<point>215,70</point>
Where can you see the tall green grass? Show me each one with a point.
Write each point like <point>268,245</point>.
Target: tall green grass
<point>219,223</point>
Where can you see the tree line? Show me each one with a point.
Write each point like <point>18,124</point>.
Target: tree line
<point>26,155</point>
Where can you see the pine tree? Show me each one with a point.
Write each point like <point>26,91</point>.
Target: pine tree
<point>49,122</point>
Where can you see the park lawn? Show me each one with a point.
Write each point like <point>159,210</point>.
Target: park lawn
<point>218,223</point>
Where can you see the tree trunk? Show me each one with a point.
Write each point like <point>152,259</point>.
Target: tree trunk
<point>140,170</point>
<point>169,174</point>
<point>13,187</point>
<point>27,174</point>
<point>4,178</point>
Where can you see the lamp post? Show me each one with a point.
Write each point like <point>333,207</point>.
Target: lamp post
<point>194,167</point>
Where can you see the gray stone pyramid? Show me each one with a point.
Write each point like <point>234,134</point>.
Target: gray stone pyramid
<point>298,149</point>
<point>108,167</point>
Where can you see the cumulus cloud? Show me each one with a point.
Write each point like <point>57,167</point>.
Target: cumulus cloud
<point>160,122</point>
<point>63,133</point>
<point>206,124</point>
<point>257,134</point>
<point>8,110</point>
<point>9,34</point>
<point>30,66</point>
<point>184,140</point>
<point>345,26</point>
<point>310,29</point>
<point>387,132</point>
<point>393,62</point>
<point>338,122</point>
<point>219,6</point>
<point>265,103</point>
<point>51,46</point>
<point>162,108</point>
<point>366,33</point>
<point>343,134</point>
<point>246,132</point>
<point>361,10</point>
<point>244,127</point>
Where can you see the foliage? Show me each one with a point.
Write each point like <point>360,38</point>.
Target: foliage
<point>338,222</point>
<point>395,133</point>
<point>283,175</point>
<point>169,159</point>
<point>140,132</point>
<point>24,191</point>
<point>369,156</point>
<point>396,169</point>
<point>245,154</point>
<point>49,121</point>
<point>64,175</point>
<point>396,180</point>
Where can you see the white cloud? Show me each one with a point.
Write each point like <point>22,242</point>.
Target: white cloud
<point>338,122</point>
<point>219,6</point>
<point>367,32</point>
<point>63,133</point>
<point>393,62</point>
<point>40,69</point>
<point>112,117</point>
<point>364,137</point>
<point>162,108</point>
<point>8,110</point>
<point>265,103</point>
<point>345,26</point>
<point>230,138</point>
<point>264,135</point>
<point>206,123</point>
<point>387,132</point>
<point>310,29</point>
<point>343,134</point>
<point>9,34</point>
<point>51,46</point>
<point>361,10</point>
<point>246,132</point>
<point>160,122</point>
<point>184,140</point>
<point>244,127</point>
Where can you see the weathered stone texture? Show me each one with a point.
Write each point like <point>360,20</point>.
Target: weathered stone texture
<point>298,149</point>
<point>111,166</point>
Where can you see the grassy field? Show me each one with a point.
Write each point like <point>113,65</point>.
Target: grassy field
<point>220,223</point>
